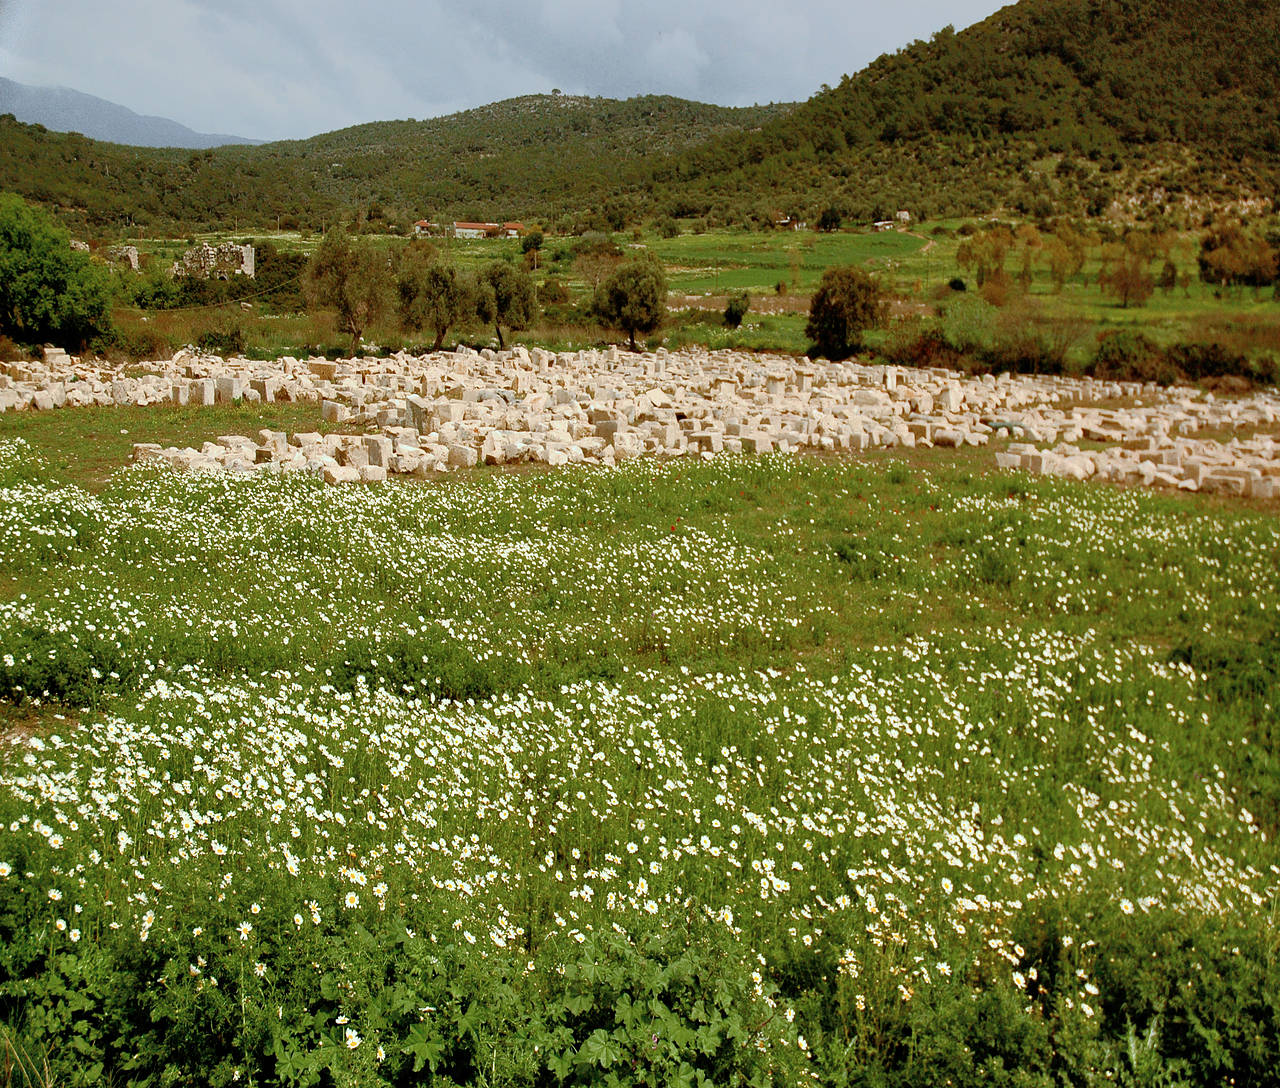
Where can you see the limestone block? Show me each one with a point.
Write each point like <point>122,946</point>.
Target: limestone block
<point>265,388</point>
<point>333,412</point>
<point>372,474</point>
<point>227,389</point>
<point>379,448</point>
<point>340,474</point>
<point>706,441</point>
<point>627,444</point>
<point>323,369</point>
<point>1264,487</point>
<point>461,456</point>
<point>146,451</point>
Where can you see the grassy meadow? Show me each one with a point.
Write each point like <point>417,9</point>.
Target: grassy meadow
<point>780,270</point>
<point>755,771</point>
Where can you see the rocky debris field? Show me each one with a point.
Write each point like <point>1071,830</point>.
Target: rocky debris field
<point>429,414</point>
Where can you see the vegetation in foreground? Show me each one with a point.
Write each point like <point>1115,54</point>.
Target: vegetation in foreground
<point>750,771</point>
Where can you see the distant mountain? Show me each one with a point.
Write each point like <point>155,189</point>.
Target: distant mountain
<point>64,110</point>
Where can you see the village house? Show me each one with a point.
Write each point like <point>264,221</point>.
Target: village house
<point>422,229</point>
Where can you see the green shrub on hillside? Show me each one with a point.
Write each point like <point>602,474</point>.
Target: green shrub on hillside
<point>48,291</point>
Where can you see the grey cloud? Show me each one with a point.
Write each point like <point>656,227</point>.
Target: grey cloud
<point>291,68</point>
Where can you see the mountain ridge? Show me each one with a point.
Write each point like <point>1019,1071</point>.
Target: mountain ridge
<point>63,109</point>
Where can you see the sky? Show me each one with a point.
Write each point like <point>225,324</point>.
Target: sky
<point>283,69</point>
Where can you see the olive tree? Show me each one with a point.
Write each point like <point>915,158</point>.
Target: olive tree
<point>351,277</point>
<point>431,295</point>
<point>505,296</point>
<point>847,303</point>
<point>633,298</point>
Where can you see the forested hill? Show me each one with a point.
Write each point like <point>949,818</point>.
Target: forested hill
<point>534,157</point>
<point>1070,101</point>
<point>1077,107</point>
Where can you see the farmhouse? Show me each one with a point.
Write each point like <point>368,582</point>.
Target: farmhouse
<point>486,230</point>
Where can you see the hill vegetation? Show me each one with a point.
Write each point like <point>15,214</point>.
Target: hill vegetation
<point>1077,107</point>
<point>542,156</point>
<point>1049,106</point>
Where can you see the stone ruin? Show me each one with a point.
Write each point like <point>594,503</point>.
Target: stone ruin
<point>443,411</point>
<point>216,262</point>
<point>124,255</point>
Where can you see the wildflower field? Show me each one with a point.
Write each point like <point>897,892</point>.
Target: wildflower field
<point>753,771</point>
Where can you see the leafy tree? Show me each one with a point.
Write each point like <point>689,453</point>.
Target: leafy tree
<point>505,296</point>
<point>985,252</point>
<point>667,227</point>
<point>1231,257</point>
<point>736,309</point>
<point>431,295</point>
<point>1125,276</point>
<point>352,277</point>
<point>48,291</point>
<point>597,256</point>
<point>633,298</point>
<point>1066,250</point>
<point>847,303</point>
<point>830,220</point>
<point>531,241</point>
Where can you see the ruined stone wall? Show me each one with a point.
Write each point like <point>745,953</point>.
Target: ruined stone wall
<point>218,262</point>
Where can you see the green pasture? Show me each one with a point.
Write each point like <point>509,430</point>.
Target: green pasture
<point>915,266</point>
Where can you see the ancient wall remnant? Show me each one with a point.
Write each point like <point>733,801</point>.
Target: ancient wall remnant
<point>216,262</point>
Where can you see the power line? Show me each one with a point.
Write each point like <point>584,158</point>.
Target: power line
<point>232,301</point>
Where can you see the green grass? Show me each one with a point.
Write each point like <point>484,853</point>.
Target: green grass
<point>524,775</point>
<point>914,265</point>
<point>85,446</point>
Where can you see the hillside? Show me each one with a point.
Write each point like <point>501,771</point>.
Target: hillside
<point>65,110</point>
<point>1077,107</point>
<point>533,157</point>
<point>1049,104</point>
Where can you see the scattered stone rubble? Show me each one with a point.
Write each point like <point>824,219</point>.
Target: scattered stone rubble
<point>443,411</point>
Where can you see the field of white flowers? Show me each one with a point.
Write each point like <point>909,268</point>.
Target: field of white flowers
<point>757,771</point>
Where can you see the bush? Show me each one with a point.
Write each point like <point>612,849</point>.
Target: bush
<point>736,309</point>
<point>48,291</point>
<point>847,303</point>
<point>552,292</point>
<point>227,340</point>
<point>1131,357</point>
<point>1198,361</point>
